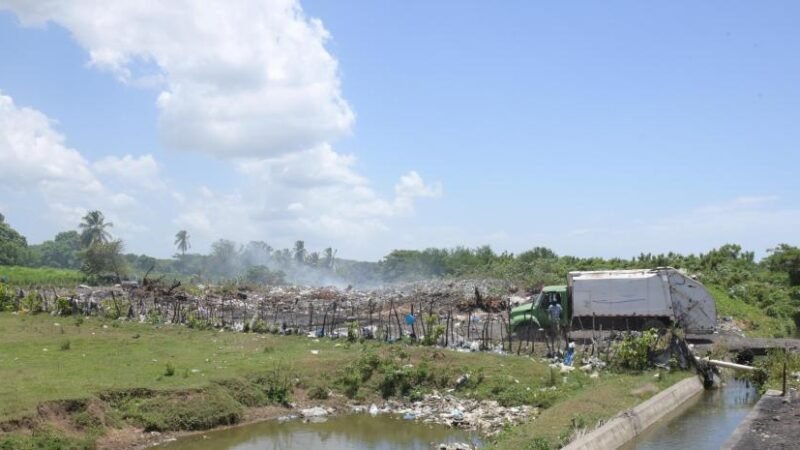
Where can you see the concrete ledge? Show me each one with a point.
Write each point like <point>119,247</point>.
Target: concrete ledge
<point>629,424</point>
<point>740,435</point>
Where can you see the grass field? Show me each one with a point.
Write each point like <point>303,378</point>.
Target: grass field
<point>43,358</point>
<point>40,276</point>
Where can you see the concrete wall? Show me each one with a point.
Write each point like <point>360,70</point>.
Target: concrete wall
<point>628,424</point>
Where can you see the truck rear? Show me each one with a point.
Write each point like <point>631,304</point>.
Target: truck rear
<point>641,299</point>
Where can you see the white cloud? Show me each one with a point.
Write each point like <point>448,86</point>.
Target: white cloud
<point>33,155</point>
<point>244,78</point>
<point>314,195</point>
<point>37,166</point>
<point>248,81</point>
<point>142,171</point>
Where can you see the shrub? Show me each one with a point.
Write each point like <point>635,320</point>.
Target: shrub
<point>633,351</point>
<point>275,383</point>
<point>7,302</point>
<point>169,370</point>
<point>352,331</point>
<point>318,393</point>
<point>63,307</point>
<point>32,303</point>
<point>66,345</point>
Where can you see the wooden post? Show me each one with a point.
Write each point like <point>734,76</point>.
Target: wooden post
<point>508,327</point>
<point>413,327</point>
<point>784,371</point>
<point>469,325</point>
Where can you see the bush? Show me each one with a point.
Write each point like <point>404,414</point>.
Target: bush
<point>634,351</point>
<point>63,307</point>
<point>318,393</point>
<point>32,303</point>
<point>275,383</point>
<point>259,326</point>
<point>169,370</point>
<point>66,345</point>
<point>7,302</point>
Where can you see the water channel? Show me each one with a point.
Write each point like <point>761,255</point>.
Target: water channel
<point>703,423</point>
<point>353,432</point>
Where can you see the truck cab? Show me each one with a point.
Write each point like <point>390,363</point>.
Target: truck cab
<point>534,315</point>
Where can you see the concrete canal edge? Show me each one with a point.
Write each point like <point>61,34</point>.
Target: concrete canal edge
<point>629,424</point>
<point>741,432</point>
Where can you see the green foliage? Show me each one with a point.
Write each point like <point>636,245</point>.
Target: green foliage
<point>262,275</point>
<point>94,227</point>
<point>352,331</point>
<point>31,303</point>
<point>318,393</point>
<point>29,276</point>
<point>102,260</point>
<point>197,323</point>
<point>62,252</point>
<point>169,370</point>
<point>65,345</point>
<point>633,351</point>
<point>769,370</point>
<point>189,410</point>
<point>13,246</point>
<point>44,440</point>
<point>7,298</point>
<point>786,258</point>
<point>433,330</point>
<point>275,383</point>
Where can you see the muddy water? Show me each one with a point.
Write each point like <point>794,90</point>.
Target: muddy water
<point>354,432</point>
<point>703,423</point>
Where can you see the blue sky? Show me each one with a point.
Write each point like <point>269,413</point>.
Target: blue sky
<point>595,129</point>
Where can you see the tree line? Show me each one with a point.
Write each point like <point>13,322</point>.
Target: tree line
<point>772,283</point>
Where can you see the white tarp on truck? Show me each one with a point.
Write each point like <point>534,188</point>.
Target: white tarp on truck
<point>620,293</point>
<point>661,293</point>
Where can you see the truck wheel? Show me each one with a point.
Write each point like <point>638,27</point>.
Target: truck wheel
<point>653,323</point>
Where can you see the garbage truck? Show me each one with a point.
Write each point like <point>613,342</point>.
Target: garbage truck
<point>622,300</point>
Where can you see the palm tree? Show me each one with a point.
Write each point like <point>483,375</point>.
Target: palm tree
<point>94,229</point>
<point>182,241</point>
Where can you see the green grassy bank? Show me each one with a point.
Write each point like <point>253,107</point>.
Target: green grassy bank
<point>68,382</point>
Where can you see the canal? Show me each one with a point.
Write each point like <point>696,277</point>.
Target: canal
<point>703,423</point>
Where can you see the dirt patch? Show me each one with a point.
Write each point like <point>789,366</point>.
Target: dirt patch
<point>646,390</point>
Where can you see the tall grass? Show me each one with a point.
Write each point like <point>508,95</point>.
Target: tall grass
<point>38,276</point>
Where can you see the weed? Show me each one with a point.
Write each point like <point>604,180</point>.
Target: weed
<point>318,393</point>
<point>633,351</point>
<point>275,383</point>
<point>66,345</point>
<point>169,370</point>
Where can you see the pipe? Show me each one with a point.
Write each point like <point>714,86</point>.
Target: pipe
<point>726,364</point>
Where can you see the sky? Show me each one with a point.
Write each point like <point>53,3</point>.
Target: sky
<point>593,128</point>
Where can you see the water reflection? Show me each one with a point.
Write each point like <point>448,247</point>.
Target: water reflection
<point>356,432</point>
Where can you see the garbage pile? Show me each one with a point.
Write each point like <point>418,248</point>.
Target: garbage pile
<point>485,416</point>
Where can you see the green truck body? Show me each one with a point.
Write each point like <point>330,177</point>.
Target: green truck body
<point>535,313</point>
